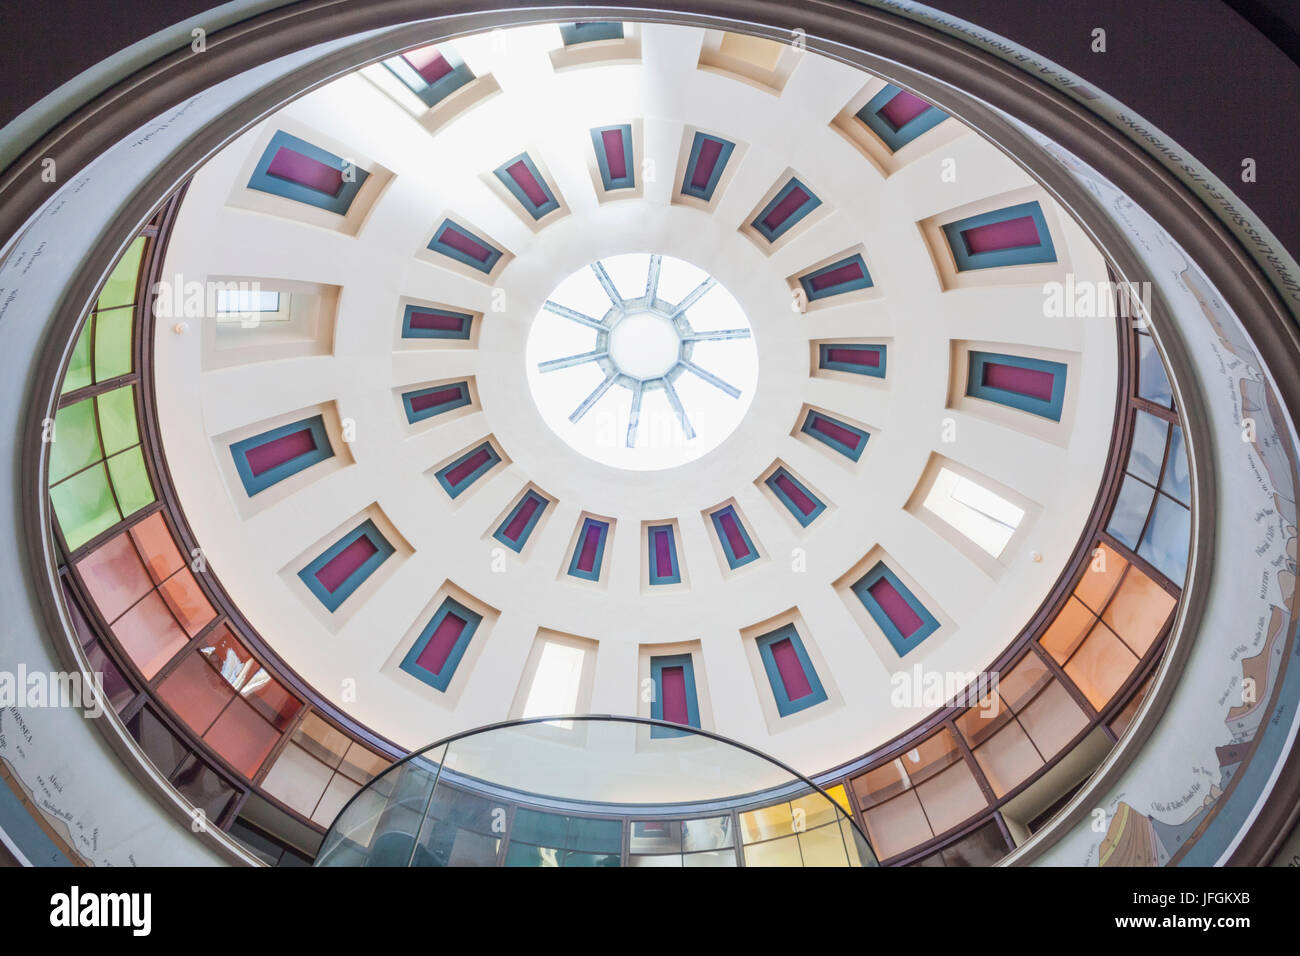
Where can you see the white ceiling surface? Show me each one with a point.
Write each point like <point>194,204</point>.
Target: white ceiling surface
<point>549,114</point>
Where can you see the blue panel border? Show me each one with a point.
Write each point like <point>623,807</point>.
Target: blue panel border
<point>804,519</point>
<point>590,31</point>
<point>732,560</point>
<point>853,454</point>
<point>1043,251</point>
<point>655,578</point>
<point>627,181</point>
<point>254,484</point>
<point>896,139</point>
<point>431,94</point>
<point>354,580</point>
<point>437,244</point>
<point>657,665</point>
<point>901,644</point>
<point>537,212</point>
<point>771,235</point>
<point>338,203</point>
<point>812,295</point>
<point>500,533</point>
<point>824,360</point>
<point>1050,408</point>
<point>724,156</point>
<point>594,573</point>
<point>784,705</point>
<point>460,401</point>
<point>466,324</point>
<point>454,490</point>
<point>440,680</point>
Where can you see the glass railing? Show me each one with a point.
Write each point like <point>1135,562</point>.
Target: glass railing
<point>592,791</point>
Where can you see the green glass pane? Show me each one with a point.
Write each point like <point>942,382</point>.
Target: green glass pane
<point>75,441</point>
<point>113,343</point>
<point>120,287</point>
<point>78,374</point>
<point>117,419</point>
<point>84,506</point>
<point>130,481</point>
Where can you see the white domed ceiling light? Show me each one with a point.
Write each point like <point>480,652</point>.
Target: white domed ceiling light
<point>811,448</point>
<point>642,361</point>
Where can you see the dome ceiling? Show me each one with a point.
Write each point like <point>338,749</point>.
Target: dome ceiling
<point>364,440</point>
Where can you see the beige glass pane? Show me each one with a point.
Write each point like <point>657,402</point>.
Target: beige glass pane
<point>712,858</point>
<point>1101,665</point>
<point>665,859</point>
<point>897,826</point>
<point>1053,719</point>
<point>823,846</point>
<point>338,793</point>
<point>951,797</point>
<point>1138,611</point>
<point>322,741</point>
<point>1024,681</point>
<point>1008,758</point>
<point>935,753</point>
<point>980,722</point>
<point>1064,635</point>
<point>881,784</point>
<point>766,823</point>
<point>297,779</point>
<point>783,852</point>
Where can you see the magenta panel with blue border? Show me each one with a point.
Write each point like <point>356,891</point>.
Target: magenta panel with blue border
<point>854,357</point>
<point>904,619</point>
<point>613,146</point>
<point>898,117</point>
<point>675,698</point>
<point>263,460</point>
<point>524,181</point>
<point>425,322</point>
<point>1014,236</point>
<point>468,468</point>
<point>704,168</point>
<point>589,552</point>
<point>846,275</point>
<point>456,242</point>
<point>787,208</point>
<point>346,564</point>
<point>794,494</point>
<point>432,78</point>
<point>664,568</point>
<point>422,403</point>
<point>293,168</point>
<point>737,546</point>
<point>848,440</point>
<point>1029,385</point>
<point>437,652</point>
<point>515,530</point>
<point>789,670</point>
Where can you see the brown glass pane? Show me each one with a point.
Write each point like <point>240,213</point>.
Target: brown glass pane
<point>1008,758</point>
<point>951,797</point>
<point>195,693</point>
<point>322,741</point>
<point>270,699</point>
<point>1125,717</point>
<point>1138,611</point>
<point>203,787</point>
<point>881,784</point>
<point>978,723</point>
<point>932,755</point>
<point>149,635</point>
<point>897,825</point>
<point>1053,719</point>
<point>114,686</point>
<point>228,655</point>
<point>1024,681</point>
<point>1101,665</point>
<point>155,543</point>
<point>182,594</point>
<point>1096,585</point>
<point>242,737</point>
<point>1064,635</point>
<point>163,748</point>
<point>114,577</point>
<point>984,847</point>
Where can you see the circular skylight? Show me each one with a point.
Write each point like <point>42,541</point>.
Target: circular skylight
<point>642,361</point>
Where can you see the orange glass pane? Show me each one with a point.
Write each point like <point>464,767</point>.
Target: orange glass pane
<point>242,737</point>
<point>931,755</point>
<point>897,825</point>
<point>1139,611</point>
<point>195,692</point>
<point>979,723</point>
<point>1053,719</point>
<point>1125,717</point>
<point>1024,681</point>
<point>182,594</point>
<point>877,786</point>
<point>1100,576</point>
<point>1101,665</point>
<point>270,699</point>
<point>156,545</point>
<point>1008,758</point>
<point>149,634</point>
<point>114,577</point>
<point>228,655</point>
<point>1066,633</point>
<point>951,797</point>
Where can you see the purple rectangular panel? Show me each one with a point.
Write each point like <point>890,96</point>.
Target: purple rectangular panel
<point>274,453</point>
<point>429,63</point>
<point>849,272</point>
<point>837,432</point>
<point>296,168</point>
<point>443,395</point>
<point>734,538</point>
<point>436,321</point>
<point>895,607</point>
<point>1032,382</point>
<point>854,356</point>
<point>791,671</point>
<point>590,544</point>
<point>615,158</point>
<point>343,564</point>
<point>1008,234</point>
<point>520,521</point>
<point>467,467</point>
<point>525,180</point>
<point>785,208</point>
<point>663,554</point>
<point>710,150</point>
<point>792,491</point>
<point>672,685</point>
<point>440,645</point>
<point>453,237</point>
<point>902,109</point>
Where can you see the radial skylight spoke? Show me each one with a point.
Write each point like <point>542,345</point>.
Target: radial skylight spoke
<point>693,296</point>
<point>607,284</point>
<point>720,335</point>
<point>569,361</point>
<point>652,278</point>
<point>573,315</point>
<point>591,399</point>
<point>713,379</point>
<point>679,410</point>
<point>634,415</point>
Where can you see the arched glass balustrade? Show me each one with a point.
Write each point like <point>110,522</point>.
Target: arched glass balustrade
<point>592,791</point>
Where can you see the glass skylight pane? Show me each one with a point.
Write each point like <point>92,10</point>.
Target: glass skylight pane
<point>980,514</point>
<point>556,682</point>
<point>247,301</point>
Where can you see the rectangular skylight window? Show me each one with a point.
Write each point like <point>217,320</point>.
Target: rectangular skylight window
<point>980,514</point>
<point>557,682</point>
<point>247,300</point>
